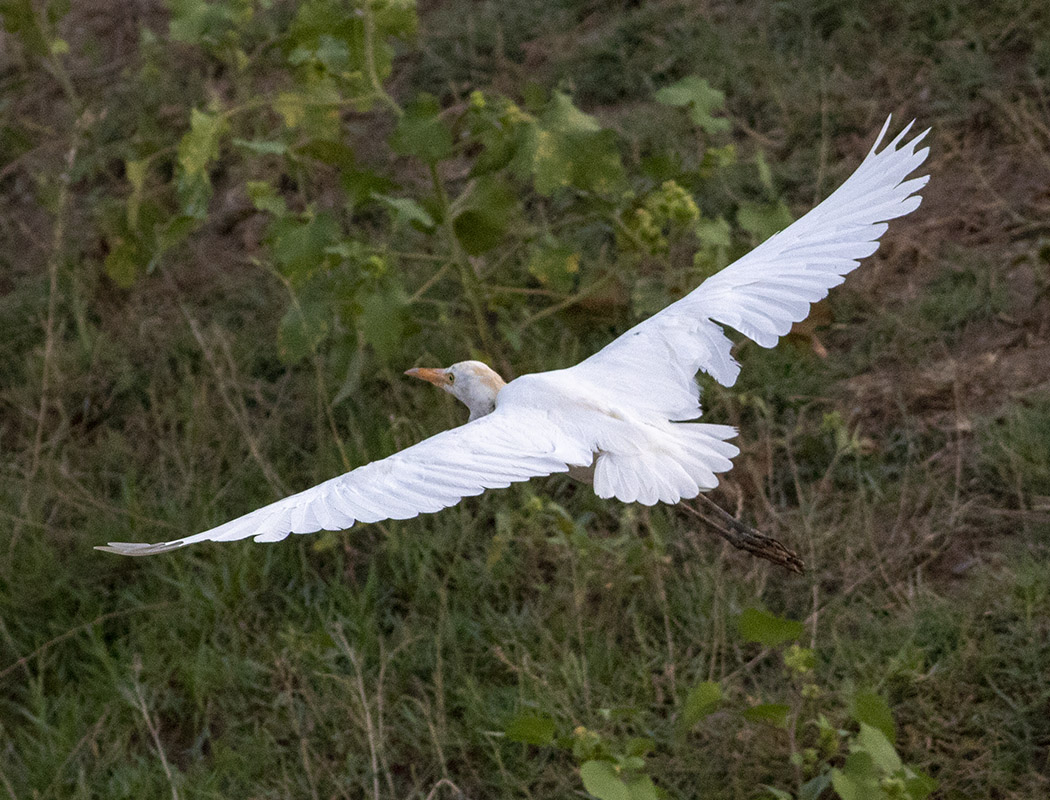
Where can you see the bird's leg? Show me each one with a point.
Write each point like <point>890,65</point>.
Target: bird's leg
<point>744,537</point>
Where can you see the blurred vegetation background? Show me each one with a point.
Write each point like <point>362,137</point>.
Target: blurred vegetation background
<point>227,227</point>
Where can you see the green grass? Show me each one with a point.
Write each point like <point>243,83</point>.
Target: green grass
<point>387,661</point>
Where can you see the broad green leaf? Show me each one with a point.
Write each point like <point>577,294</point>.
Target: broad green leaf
<point>313,108</point>
<point>814,788</point>
<point>265,198</point>
<point>123,262</point>
<point>756,625</point>
<point>382,322</point>
<point>701,701</point>
<point>200,145</point>
<point>291,106</point>
<point>713,232</point>
<point>873,742</point>
<point>857,780</point>
<point>642,788</point>
<point>568,148</point>
<point>555,266</point>
<point>871,709</point>
<point>175,231</point>
<point>700,98</point>
<point>601,780</point>
<point>763,219</point>
<point>482,213</point>
<point>198,21</point>
<point>194,194</point>
<point>304,326</point>
<point>421,131</point>
<point>406,210</point>
<point>774,714</point>
<point>918,784</point>
<point>362,185</point>
<point>21,20</point>
<point>531,729</point>
<point>298,245</point>
<point>639,746</point>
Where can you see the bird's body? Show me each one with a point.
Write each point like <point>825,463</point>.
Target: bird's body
<point>620,417</point>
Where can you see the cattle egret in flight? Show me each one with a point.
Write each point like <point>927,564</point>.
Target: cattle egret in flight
<point>621,417</point>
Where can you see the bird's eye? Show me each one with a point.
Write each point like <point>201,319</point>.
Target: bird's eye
<point>452,377</point>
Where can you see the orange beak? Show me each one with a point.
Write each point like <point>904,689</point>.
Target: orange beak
<point>434,376</point>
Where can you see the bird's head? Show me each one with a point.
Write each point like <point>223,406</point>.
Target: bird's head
<point>471,382</point>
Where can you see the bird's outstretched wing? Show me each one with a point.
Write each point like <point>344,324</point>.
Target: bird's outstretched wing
<point>762,294</point>
<point>489,453</point>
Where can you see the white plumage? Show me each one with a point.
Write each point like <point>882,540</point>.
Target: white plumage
<point>620,412</point>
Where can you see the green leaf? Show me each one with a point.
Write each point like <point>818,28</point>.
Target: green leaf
<point>756,625</point>
<point>21,20</point>
<point>531,729</point>
<point>406,210</point>
<point>777,794</point>
<point>123,262</point>
<point>701,701</point>
<point>482,213</point>
<point>200,145</point>
<point>601,780</point>
<point>871,709</point>
<point>313,108</point>
<point>175,231</point>
<point>382,322</point>
<point>568,148</point>
<point>363,185</point>
<point>265,198</point>
<point>642,788</point>
<point>775,714</point>
<point>198,22</point>
<point>262,147</point>
<point>555,266</point>
<point>763,219</point>
<point>304,326</point>
<point>639,746</point>
<point>700,98</point>
<point>918,784</point>
<point>873,742</point>
<point>857,780</point>
<point>421,131</point>
<point>298,245</point>
<point>814,788</point>
<point>713,232</point>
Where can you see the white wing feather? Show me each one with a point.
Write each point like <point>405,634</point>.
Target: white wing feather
<point>762,294</point>
<point>545,423</point>
<point>492,452</point>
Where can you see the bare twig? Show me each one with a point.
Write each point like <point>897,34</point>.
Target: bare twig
<point>744,537</point>
<point>374,743</point>
<point>140,704</point>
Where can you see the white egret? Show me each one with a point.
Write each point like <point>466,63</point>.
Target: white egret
<point>622,416</point>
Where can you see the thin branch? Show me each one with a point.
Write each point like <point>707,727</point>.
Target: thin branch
<point>140,704</point>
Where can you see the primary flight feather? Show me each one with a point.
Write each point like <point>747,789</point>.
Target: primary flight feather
<point>618,417</point>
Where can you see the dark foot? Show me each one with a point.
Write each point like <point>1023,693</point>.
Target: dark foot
<point>744,537</point>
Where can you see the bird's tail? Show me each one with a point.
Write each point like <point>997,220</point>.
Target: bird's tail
<point>684,464</point>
